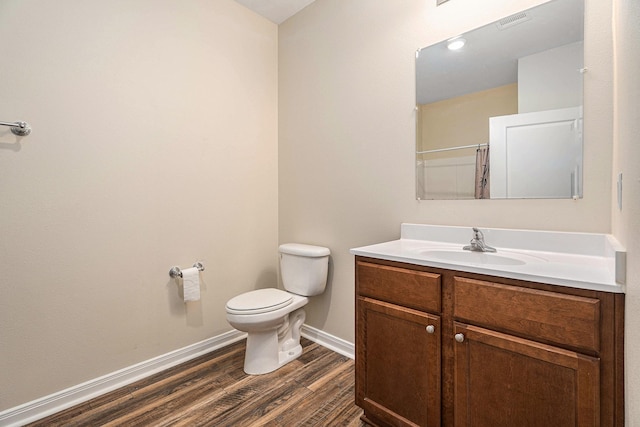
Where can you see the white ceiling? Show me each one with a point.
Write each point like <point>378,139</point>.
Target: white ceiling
<point>490,57</point>
<point>276,11</point>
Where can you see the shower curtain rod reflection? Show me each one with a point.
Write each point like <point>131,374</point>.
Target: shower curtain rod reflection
<point>486,144</point>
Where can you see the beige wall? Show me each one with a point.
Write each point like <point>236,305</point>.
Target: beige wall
<point>626,223</point>
<point>463,120</point>
<point>154,144</point>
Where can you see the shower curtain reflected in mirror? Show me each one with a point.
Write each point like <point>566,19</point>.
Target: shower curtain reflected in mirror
<point>482,187</point>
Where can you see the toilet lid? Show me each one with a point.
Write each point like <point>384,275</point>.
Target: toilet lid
<point>259,301</point>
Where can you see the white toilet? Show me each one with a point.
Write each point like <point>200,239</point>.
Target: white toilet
<point>272,317</point>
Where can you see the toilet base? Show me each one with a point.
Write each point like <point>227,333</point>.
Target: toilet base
<point>269,350</point>
<point>285,357</point>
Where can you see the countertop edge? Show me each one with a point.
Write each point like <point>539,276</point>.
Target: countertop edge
<point>612,288</point>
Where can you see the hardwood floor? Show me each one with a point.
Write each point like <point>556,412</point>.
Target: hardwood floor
<point>317,389</point>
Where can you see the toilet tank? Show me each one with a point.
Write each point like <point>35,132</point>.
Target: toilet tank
<point>304,268</point>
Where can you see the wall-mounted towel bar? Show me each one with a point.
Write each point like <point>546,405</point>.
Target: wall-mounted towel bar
<point>18,128</point>
<point>175,272</point>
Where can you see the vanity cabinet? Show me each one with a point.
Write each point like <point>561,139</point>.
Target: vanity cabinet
<point>439,347</point>
<point>398,345</point>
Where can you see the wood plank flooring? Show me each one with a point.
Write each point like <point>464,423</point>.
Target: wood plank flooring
<point>317,389</point>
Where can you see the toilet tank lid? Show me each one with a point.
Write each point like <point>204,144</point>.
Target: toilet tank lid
<point>304,250</point>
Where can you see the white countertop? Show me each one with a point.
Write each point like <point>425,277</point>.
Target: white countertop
<point>578,260</point>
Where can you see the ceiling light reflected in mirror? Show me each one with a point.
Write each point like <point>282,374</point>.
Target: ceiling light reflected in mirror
<point>456,43</point>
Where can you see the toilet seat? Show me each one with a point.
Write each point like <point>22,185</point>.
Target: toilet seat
<point>259,301</point>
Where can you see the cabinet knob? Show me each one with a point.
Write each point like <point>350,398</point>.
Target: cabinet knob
<point>459,337</point>
<point>431,329</point>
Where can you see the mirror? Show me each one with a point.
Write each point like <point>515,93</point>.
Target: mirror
<point>501,117</point>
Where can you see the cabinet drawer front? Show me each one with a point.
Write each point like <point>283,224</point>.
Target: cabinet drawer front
<point>410,288</point>
<point>563,319</point>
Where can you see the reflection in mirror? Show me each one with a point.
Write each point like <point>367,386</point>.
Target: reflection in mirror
<point>501,116</point>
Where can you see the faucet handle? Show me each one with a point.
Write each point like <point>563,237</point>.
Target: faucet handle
<point>477,234</point>
<point>477,243</point>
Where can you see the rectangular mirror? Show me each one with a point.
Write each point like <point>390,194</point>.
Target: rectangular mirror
<point>501,115</point>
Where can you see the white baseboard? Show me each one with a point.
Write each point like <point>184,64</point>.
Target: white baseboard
<point>59,401</point>
<point>329,341</point>
<point>56,402</point>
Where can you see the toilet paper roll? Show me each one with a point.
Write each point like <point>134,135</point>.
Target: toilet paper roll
<point>191,284</point>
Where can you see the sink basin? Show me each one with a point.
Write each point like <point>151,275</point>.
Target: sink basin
<point>481,258</point>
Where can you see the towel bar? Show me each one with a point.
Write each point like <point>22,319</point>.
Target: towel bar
<point>18,128</point>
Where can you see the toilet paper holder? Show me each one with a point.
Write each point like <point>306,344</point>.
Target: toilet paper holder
<point>175,272</point>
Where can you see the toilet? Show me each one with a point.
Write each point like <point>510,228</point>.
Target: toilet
<point>272,317</point>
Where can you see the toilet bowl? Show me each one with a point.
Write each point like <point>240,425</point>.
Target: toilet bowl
<point>272,318</point>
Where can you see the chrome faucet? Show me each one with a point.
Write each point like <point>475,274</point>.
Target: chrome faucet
<point>477,243</point>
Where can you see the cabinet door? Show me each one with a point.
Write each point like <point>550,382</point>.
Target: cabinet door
<point>502,380</point>
<point>398,364</point>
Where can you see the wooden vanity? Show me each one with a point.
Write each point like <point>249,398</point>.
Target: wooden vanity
<point>440,347</point>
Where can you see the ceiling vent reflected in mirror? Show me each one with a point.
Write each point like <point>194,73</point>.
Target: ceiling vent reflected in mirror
<point>512,20</point>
